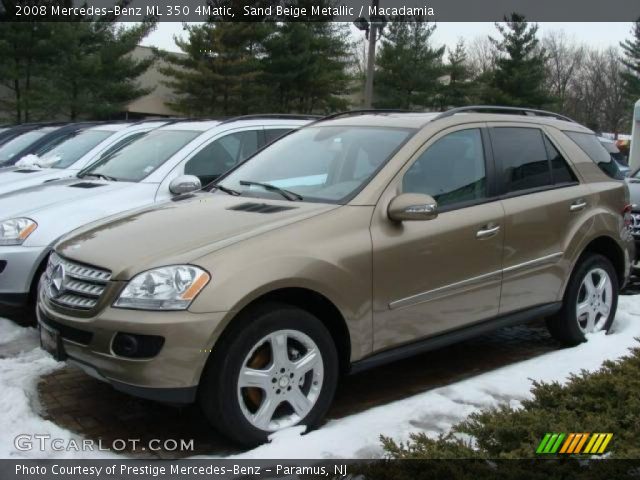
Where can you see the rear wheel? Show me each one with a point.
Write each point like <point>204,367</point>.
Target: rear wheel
<point>277,368</point>
<point>590,301</point>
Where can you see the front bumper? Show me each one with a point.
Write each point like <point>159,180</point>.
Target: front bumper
<point>170,376</point>
<point>18,266</point>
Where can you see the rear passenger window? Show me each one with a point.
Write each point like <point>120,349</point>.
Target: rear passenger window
<point>590,145</point>
<point>452,170</point>
<point>521,153</point>
<point>560,170</point>
<point>272,134</point>
<point>222,155</point>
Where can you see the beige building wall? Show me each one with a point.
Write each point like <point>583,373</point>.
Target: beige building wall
<point>155,102</point>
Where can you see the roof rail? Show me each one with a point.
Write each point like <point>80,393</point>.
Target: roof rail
<point>364,111</point>
<point>275,116</point>
<point>507,110</point>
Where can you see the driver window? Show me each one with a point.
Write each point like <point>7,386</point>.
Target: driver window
<point>452,170</point>
<point>222,155</point>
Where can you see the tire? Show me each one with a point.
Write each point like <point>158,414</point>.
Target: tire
<point>235,411</point>
<point>570,328</point>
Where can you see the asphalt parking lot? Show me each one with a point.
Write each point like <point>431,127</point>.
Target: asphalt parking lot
<point>94,410</point>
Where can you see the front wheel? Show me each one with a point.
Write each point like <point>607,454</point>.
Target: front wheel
<point>277,368</point>
<point>590,301</point>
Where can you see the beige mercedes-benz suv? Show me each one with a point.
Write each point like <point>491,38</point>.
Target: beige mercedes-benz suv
<point>362,238</point>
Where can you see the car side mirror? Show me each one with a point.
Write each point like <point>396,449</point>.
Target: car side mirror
<point>411,207</point>
<point>184,184</point>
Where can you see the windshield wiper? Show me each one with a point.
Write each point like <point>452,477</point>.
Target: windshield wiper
<point>100,175</point>
<point>224,189</point>
<point>289,195</point>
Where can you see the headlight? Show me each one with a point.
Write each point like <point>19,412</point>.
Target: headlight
<point>16,230</point>
<point>165,288</point>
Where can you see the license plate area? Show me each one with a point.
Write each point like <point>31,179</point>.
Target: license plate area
<point>51,342</point>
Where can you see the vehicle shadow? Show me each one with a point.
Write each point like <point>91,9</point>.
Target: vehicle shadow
<point>95,411</point>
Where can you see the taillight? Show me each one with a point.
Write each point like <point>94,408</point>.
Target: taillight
<point>626,215</point>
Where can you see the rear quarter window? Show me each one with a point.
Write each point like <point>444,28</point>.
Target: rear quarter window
<point>590,145</point>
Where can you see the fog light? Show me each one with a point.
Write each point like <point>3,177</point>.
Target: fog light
<point>136,346</point>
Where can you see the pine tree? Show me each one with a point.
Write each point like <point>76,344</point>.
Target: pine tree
<point>631,50</point>
<point>25,54</point>
<point>457,90</point>
<point>94,74</point>
<point>220,69</point>
<point>80,68</point>
<point>408,66</point>
<point>520,68</point>
<point>305,67</point>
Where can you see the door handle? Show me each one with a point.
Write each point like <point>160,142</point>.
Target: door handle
<point>577,205</point>
<point>487,231</point>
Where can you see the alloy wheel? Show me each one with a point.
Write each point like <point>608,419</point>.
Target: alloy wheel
<point>595,299</point>
<point>280,380</point>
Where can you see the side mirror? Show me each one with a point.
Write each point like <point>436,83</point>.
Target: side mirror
<point>412,206</point>
<point>184,184</point>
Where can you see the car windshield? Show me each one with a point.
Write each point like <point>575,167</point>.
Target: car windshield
<point>9,150</point>
<point>140,158</point>
<point>69,151</point>
<point>320,164</point>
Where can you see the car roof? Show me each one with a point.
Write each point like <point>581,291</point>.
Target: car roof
<point>455,116</point>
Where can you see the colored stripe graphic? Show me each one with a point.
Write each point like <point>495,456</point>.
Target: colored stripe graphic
<point>556,446</point>
<point>567,442</point>
<point>607,439</point>
<point>574,443</point>
<point>543,443</point>
<point>581,443</point>
<point>594,437</point>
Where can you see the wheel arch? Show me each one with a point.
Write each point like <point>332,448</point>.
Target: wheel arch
<point>311,301</point>
<point>606,246</point>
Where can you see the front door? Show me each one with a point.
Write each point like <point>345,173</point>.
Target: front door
<point>441,274</point>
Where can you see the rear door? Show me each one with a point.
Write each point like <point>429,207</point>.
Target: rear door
<point>543,203</point>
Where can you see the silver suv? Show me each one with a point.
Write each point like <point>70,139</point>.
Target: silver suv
<point>169,161</point>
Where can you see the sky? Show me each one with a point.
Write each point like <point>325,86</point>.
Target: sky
<point>595,34</point>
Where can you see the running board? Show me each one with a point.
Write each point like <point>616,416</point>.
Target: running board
<point>455,336</point>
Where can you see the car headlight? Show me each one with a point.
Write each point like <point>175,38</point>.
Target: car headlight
<point>164,288</point>
<point>16,230</point>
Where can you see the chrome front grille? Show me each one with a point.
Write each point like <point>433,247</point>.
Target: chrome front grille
<point>635,224</point>
<point>74,285</point>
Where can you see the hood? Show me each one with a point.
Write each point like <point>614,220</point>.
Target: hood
<point>634,193</point>
<point>64,205</point>
<point>13,179</point>
<point>180,231</point>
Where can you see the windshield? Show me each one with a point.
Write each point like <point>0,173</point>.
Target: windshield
<point>9,150</point>
<point>140,158</point>
<point>321,164</point>
<point>66,153</point>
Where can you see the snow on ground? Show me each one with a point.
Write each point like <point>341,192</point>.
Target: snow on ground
<point>21,364</point>
<point>355,436</point>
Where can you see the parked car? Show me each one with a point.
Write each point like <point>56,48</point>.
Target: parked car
<point>20,140</point>
<point>617,156</point>
<point>79,150</point>
<point>357,240</point>
<point>162,165</point>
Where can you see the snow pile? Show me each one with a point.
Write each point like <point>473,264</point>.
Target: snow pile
<point>19,375</point>
<point>355,436</point>
<point>34,161</point>
<point>28,161</point>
